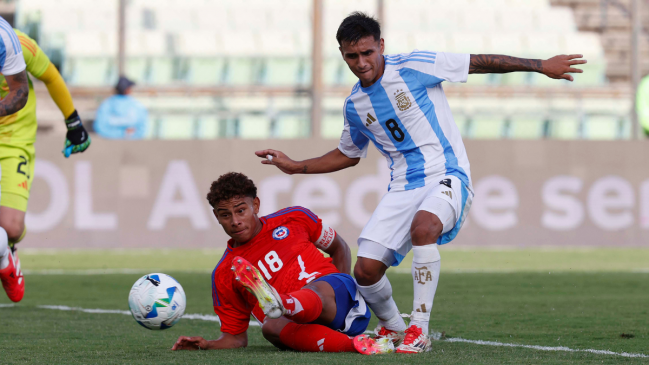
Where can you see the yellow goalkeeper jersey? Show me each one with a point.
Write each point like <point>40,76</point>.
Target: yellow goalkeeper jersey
<point>20,128</point>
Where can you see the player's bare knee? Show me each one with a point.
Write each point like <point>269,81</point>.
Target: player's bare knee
<point>14,229</point>
<point>426,234</point>
<point>365,276</point>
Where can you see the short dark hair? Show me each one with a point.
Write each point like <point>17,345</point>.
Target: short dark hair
<point>356,26</point>
<point>231,185</point>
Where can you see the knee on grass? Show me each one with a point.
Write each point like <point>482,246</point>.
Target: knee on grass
<point>271,330</point>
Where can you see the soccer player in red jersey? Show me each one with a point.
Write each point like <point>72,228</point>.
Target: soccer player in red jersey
<point>272,269</point>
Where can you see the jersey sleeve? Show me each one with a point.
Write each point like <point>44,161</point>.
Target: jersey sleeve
<point>230,306</point>
<point>35,59</point>
<point>11,55</point>
<point>353,143</point>
<point>434,67</point>
<point>321,234</point>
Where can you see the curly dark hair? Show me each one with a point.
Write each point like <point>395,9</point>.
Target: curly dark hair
<point>231,185</point>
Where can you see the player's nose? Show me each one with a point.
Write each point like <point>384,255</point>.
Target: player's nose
<point>362,64</point>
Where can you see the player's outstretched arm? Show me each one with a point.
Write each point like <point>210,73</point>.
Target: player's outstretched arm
<point>557,67</point>
<point>18,93</point>
<point>226,341</point>
<point>340,254</point>
<point>329,162</point>
<point>77,139</point>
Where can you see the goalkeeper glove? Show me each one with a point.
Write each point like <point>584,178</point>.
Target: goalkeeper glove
<point>77,139</point>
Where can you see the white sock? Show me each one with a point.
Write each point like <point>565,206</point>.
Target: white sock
<point>379,297</point>
<point>4,249</point>
<point>425,274</point>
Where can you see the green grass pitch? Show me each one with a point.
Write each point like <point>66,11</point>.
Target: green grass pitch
<point>573,308</point>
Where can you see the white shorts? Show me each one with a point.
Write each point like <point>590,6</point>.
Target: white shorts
<point>389,226</point>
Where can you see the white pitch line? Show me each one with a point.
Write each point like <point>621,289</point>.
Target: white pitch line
<point>66,308</point>
<point>202,317</point>
<point>438,335</point>
<point>434,335</point>
<point>546,348</point>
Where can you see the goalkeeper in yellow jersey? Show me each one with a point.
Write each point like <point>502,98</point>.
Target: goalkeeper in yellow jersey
<point>17,156</point>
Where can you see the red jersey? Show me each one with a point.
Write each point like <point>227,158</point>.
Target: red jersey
<point>285,253</point>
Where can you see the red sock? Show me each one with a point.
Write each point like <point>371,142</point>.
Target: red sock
<point>315,338</point>
<point>302,306</point>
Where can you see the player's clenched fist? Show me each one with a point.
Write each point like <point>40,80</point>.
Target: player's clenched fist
<point>190,343</point>
<point>559,67</point>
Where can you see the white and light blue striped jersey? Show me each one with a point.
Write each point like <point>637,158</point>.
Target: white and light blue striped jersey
<point>407,117</point>
<point>11,52</point>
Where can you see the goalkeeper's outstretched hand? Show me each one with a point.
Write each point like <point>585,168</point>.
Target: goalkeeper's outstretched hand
<point>77,139</point>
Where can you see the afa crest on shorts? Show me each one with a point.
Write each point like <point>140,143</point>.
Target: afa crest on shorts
<point>280,233</point>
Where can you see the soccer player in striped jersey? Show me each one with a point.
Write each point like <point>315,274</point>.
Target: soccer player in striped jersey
<point>17,152</point>
<point>399,105</point>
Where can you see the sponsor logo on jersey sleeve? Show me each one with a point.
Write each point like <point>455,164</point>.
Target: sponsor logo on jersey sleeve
<point>280,233</point>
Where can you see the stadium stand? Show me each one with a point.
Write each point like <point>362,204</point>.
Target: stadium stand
<point>250,43</point>
<point>612,21</point>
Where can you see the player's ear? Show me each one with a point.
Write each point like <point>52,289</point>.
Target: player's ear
<point>381,45</point>
<point>256,203</point>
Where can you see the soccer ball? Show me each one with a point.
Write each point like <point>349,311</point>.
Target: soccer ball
<point>157,301</point>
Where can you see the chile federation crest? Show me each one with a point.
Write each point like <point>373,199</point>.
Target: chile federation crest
<point>280,233</point>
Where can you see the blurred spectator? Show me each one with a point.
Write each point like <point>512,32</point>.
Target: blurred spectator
<point>121,116</point>
<point>642,104</point>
